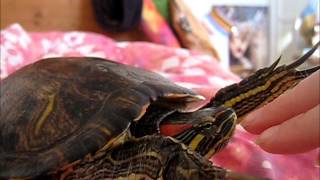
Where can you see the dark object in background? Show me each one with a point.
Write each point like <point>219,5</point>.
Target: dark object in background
<point>118,15</point>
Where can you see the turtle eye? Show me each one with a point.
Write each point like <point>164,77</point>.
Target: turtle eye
<point>207,125</point>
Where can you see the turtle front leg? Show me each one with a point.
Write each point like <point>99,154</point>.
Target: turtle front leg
<point>149,157</point>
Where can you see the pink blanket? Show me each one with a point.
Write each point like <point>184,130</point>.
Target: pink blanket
<point>191,70</point>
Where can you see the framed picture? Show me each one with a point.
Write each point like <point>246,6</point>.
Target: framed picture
<point>239,30</point>
<point>248,35</point>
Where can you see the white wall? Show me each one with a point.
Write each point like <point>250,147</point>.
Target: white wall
<point>282,15</point>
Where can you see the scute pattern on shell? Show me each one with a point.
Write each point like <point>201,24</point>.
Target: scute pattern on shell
<point>67,108</point>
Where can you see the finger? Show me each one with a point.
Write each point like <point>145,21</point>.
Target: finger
<point>293,102</point>
<point>299,134</point>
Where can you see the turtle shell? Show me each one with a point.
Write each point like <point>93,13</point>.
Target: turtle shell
<point>58,110</point>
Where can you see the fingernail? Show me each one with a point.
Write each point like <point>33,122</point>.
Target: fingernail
<point>248,120</point>
<point>267,135</point>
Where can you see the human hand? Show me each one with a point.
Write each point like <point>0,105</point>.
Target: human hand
<point>291,123</point>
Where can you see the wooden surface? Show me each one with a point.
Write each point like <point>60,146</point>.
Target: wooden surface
<point>57,15</point>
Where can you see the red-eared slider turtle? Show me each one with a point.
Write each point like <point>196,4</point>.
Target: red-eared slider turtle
<point>90,118</point>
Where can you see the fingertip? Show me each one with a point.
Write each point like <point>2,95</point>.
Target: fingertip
<point>246,121</point>
<point>252,122</point>
<point>296,135</point>
<point>267,140</point>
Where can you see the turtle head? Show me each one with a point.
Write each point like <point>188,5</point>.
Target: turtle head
<point>205,131</point>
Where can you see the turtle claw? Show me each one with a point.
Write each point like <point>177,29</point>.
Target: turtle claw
<point>307,72</point>
<point>305,57</point>
<point>274,65</point>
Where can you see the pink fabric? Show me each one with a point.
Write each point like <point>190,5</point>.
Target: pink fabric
<point>196,71</point>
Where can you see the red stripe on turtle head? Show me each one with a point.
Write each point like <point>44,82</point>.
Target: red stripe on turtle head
<point>173,129</point>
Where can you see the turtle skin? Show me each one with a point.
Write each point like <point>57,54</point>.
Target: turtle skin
<point>58,110</point>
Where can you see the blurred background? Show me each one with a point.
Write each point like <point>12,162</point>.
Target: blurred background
<point>242,35</point>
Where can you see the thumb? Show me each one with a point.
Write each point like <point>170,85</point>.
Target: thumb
<point>298,134</point>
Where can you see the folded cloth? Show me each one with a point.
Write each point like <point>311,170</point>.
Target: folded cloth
<point>199,72</point>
